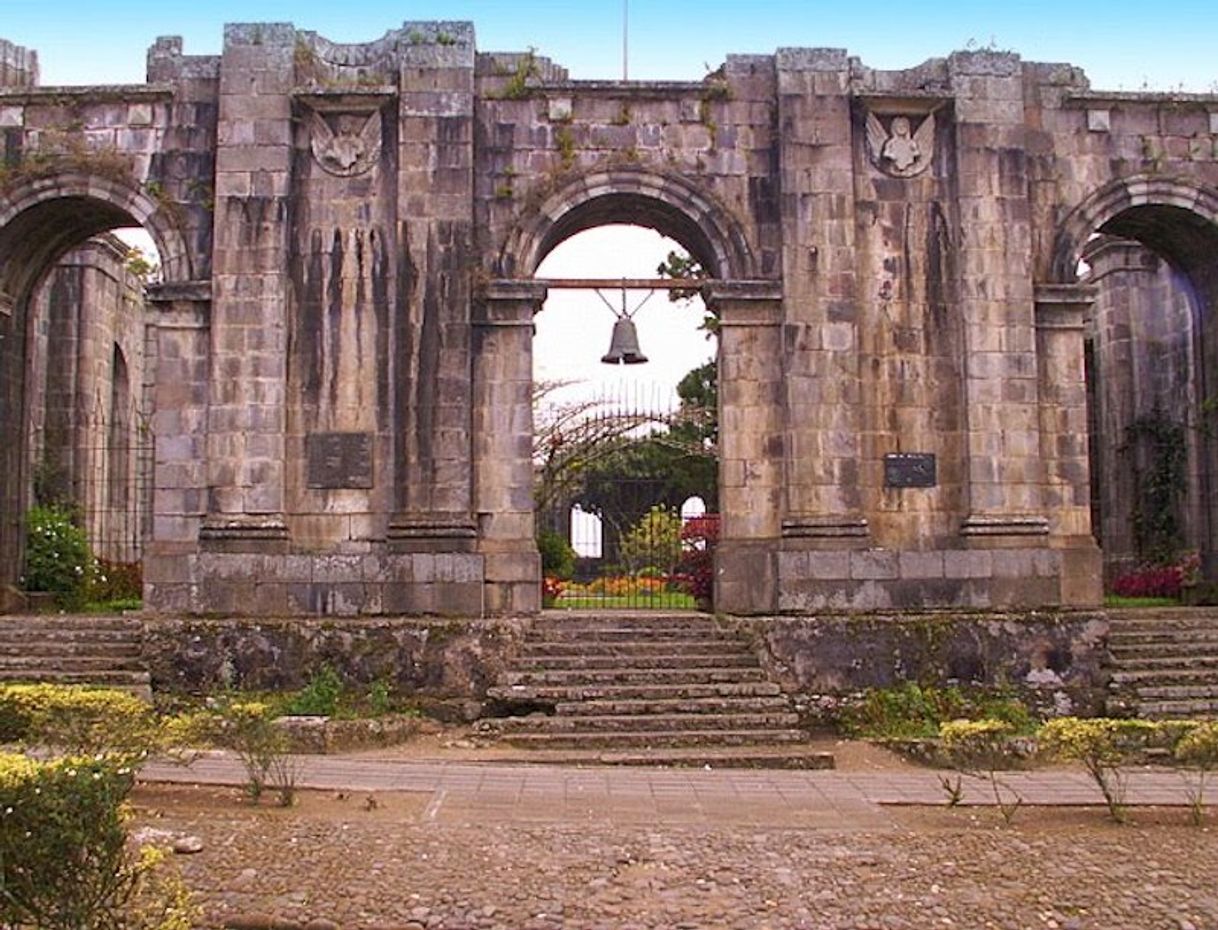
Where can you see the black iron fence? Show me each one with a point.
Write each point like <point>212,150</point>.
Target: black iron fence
<point>97,462</point>
<point>618,481</point>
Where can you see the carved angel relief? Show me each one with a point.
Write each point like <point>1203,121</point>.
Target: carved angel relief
<point>351,150</point>
<point>901,153</point>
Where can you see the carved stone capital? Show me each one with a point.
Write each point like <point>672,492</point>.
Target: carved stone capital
<point>509,302</point>
<point>745,303</point>
<point>1063,306</point>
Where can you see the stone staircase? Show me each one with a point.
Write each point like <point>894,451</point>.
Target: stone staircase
<point>67,649</point>
<point>1164,662</point>
<point>655,689</point>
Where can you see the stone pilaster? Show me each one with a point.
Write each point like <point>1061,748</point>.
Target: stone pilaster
<point>176,386</point>
<point>1005,471</point>
<point>1061,312</point>
<point>247,413</point>
<point>435,204</point>
<point>503,444</point>
<point>751,443</point>
<point>821,350</point>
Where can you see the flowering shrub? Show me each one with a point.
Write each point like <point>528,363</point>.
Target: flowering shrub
<point>64,863</point>
<point>248,729</point>
<point>983,746</point>
<point>551,589</point>
<point>1158,580</point>
<point>699,536</point>
<point>57,558</point>
<point>77,720</point>
<point>1197,748</point>
<point>1103,746</point>
<point>116,581</point>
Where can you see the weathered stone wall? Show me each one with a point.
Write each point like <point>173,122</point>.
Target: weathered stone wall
<point>340,357</point>
<point>1143,335</point>
<point>85,400</point>
<point>435,658</point>
<point>18,66</point>
<point>1052,660</point>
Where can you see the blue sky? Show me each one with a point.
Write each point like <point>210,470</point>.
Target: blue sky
<point>1121,44</point>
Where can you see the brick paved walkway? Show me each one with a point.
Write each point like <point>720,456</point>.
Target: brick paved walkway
<point>462,792</point>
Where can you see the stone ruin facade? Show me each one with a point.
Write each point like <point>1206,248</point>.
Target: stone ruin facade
<point>339,357</point>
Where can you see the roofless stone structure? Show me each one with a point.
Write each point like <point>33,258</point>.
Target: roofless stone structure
<point>340,357</point>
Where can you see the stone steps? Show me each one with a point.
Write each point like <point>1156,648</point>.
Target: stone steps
<point>641,689</point>
<point>589,723</point>
<point>53,649</point>
<point>630,675</point>
<point>1157,661</point>
<point>68,649</point>
<point>1164,663</point>
<point>661,646</point>
<point>633,692</point>
<point>82,662</point>
<point>635,661</point>
<point>1166,674</point>
<point>667,706</point>
<point>662,740</point>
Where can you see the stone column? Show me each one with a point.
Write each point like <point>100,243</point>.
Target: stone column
<point>1005,471</point>
<point>1061,311</point>
<point>752,424</point>
<point>246,413</point>
<point>821,350</point>
<point>435,217</point>
<point>503,444</point>
<point>176,373</point>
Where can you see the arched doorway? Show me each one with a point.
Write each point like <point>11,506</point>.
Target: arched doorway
<point>619,447</point>
<point>1149,249</point>
<point>710,235</point>
<point>71,346</point>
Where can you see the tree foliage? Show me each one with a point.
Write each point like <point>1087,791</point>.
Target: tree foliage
<point>654,541</point>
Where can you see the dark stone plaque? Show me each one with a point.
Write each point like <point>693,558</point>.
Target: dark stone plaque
<point>339,460</point>
<point>910,470</point>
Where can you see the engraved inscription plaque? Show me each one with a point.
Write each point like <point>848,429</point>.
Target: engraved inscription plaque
<point>910,470</point>
<point>339,460</point>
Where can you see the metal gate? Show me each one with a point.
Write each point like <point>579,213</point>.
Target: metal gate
<point>624,487</point>
<point>97,464</point>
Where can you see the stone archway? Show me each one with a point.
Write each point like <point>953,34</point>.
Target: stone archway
<point>1151,243</point>
<point>41,219</point>
<point>750,313</point>
<point>668,203</point>
<point>1122,198</point>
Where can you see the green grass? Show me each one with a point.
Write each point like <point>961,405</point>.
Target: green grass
<point>115,606</point>
<point>1115,600</point>
<point>667,600</point>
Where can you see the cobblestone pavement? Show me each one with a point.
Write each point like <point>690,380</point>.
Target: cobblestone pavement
<point>503,847</point>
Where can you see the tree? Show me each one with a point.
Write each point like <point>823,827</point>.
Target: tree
<point>654,541</point>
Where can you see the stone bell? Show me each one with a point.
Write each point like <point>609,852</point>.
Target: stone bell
<point>624,346</point>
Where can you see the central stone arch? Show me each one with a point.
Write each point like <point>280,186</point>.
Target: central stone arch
<point>750,316</point>
<point>668,203</point>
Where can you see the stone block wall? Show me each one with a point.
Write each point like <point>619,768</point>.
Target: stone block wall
<point>86,406</point>
<point>339,357</point>
<point>18,66</point>
<point>428,658</point>
<point>1053,661</point>
<point>1143,332</point>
